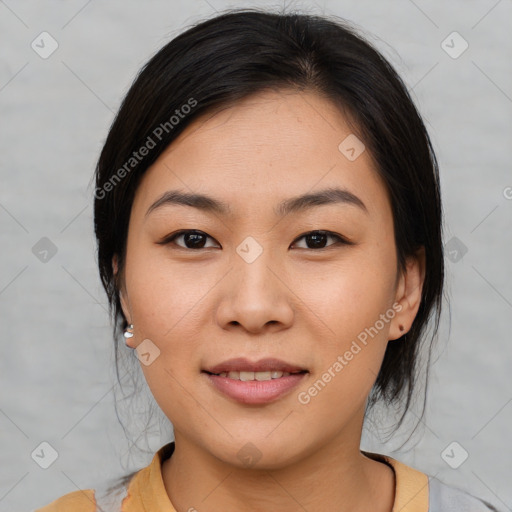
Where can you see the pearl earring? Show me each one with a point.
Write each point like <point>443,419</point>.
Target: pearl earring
<point>128,333</point>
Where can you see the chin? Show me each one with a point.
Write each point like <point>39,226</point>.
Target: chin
<point>262,454</point>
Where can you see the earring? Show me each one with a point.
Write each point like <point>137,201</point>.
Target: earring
<point>128,333</point>
<point>401,327</point>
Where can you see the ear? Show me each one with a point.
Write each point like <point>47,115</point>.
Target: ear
<point>408,294</point>
<point>124,303</point>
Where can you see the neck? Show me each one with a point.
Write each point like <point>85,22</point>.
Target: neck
<point>331,476</point>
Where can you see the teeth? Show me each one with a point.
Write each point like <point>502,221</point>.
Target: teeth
<point>247,375</point>
<point>260,376</point>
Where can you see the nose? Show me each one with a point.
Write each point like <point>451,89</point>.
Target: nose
<point>255,296</point>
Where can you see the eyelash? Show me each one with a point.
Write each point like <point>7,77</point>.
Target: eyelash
<point>170,239</point>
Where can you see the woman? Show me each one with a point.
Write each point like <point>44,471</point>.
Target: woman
<point>269,227</point>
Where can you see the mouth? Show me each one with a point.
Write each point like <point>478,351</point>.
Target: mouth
<point>259,376</point>
<point>254,382</point>
<point>245,367</point>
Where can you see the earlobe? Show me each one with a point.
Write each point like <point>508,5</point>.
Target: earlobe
<point>408,294</point>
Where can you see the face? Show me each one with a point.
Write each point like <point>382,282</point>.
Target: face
<point>311,283</point>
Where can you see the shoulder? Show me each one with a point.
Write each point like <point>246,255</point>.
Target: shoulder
<point>104,497</point>
<point>420,492</point>
<point>110,496</point>
<point>77,501</point>
<point>445,498</point>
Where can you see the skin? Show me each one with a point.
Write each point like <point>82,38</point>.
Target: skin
<point>296,302</point>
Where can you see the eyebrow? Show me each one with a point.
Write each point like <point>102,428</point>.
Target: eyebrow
<point>294,204</point>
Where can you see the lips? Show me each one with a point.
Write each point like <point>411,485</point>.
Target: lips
<point>242,364</point>
<point>254,382</point>
<point>255,392</point>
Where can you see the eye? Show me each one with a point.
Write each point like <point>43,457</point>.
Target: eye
<point>318,239</point>
<point>192,238</point>
<point>195,239</point>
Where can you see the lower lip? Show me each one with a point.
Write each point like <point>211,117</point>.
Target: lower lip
<point>255,391</point>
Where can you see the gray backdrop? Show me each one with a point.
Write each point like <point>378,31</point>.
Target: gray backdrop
<point>56,377</point>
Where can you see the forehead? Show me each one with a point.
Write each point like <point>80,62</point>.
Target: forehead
<point>265,148</point>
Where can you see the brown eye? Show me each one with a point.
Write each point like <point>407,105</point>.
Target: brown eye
<point>318,239</point>
<point>192,239</point>
<point>195,239</point>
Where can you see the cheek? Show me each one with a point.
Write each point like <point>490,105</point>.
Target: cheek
<point>165,295</point>
<point>350,300</point>
<point>350,295</point>
<point>166,303</point>
<point>351,345</point>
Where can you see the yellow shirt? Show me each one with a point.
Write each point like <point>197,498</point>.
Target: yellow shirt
<point>146,491</point>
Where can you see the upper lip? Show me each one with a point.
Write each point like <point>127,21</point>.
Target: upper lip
<point>263,365</point>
